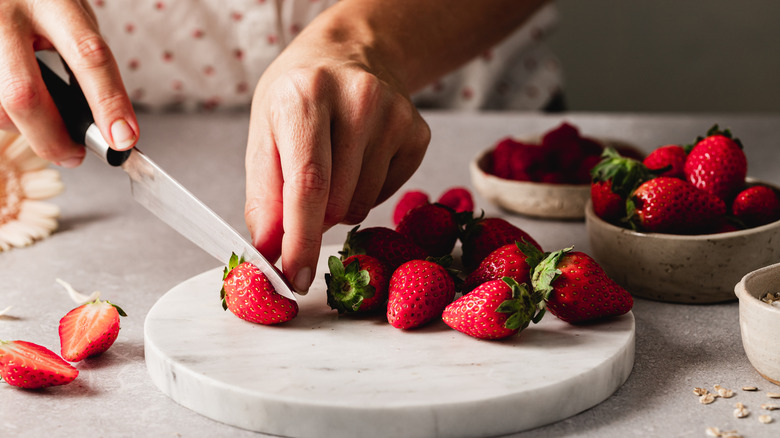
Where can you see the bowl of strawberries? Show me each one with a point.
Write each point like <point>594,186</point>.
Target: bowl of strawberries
<point>686,223</point>
<point>545,177</point>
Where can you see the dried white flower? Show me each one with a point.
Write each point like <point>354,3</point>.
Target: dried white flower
<point>25,181</point>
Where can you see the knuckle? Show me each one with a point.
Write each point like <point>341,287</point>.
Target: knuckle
<point>311,181</point>
<point>92,51</point>
<point>19,96</point>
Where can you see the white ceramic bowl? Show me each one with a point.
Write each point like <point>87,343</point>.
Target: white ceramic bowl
<point>681,268</point>
<point>542,200</point>
<point>759,322</point>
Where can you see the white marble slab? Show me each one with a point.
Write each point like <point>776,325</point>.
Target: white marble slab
<point>322,375</point>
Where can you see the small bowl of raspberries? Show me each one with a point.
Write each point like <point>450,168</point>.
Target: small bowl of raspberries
<point>686,223</point>
<point>545,177</point>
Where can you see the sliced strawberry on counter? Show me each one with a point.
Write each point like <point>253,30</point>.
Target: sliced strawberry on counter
<point>574,286</point>
<point>458,199</point>
<point>670,158</point>
<point>717,164</point>
<point>419,291</point>
<point>496,309</point>
<point>89,330</point>
<point>756,205</point>
<point>433,227</point>
<point>249,295</point>
<point>482,235</point>
<point>671,205</point>
<point>358,284</point>
<point>408,201</point>
<point>31,366</point>
<point>386,244</point>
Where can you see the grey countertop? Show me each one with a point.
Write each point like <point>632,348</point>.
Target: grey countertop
<point>106,242</point>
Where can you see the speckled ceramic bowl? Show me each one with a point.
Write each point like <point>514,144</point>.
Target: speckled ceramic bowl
<point>681,268</point>
<point>542,200</point>
<point>759,322</point>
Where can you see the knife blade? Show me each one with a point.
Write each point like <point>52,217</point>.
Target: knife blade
<point>152,187</point>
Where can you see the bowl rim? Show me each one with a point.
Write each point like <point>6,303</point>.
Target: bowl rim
<point>752,300</point>
<point>590,216</point>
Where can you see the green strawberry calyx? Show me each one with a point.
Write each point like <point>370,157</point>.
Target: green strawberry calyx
<point>546,271</point>
<point>625,173</point>
<point>523,307</point>
<point>347,285</point>
<point>232,263</point>
<point>714,130</point>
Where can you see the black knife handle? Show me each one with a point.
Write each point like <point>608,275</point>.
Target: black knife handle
<point>77,115</point>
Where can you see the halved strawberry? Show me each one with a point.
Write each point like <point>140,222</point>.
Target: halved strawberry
<point>32,366</point>
<point>89,330</point>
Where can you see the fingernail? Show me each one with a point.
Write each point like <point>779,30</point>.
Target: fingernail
<point>123,135</point>
<point>302,280</point>
<point>70,163</point>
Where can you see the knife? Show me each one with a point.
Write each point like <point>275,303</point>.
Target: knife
<point>150,185</point>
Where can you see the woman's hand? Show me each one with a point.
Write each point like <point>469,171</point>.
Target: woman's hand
<point>68,26</point>
<point>331,136</point>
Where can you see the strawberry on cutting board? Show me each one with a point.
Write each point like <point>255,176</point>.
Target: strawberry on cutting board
<point>358,284</point>
<point>483,235</point>
<point>574,286</point>
<point>386,244</point>
<point>249,295</point>
<point>433,227</point>
<point>89,330</point>
<point>506,261</point>
<point>32,366</point>
<point>418,293</point>
<point>496,309</point>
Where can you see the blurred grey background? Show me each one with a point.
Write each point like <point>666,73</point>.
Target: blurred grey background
<point>670,55</point>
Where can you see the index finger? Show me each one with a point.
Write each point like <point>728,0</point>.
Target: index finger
<point>80,44</point>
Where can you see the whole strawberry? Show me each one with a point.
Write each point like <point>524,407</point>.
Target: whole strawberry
<point>419,291</point>
<point>482,235</point>
<point>671,205</point>
<point>495,310</point>
<point>248,293</point>
<point>613,180</point>
<point>458,199</point>
<point>506,261</point>
<point>575,288</point>
<point>756,205</point>
<point>358,284</point>
<point>32,366</point>
<point>717,164</point>
<point>408,201</point>
<point>89,330</point>
<point>386,244</point>
<point>431,226</point>
<point>670,158</point>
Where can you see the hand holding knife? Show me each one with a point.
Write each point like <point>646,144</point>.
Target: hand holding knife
<point>153,188</point>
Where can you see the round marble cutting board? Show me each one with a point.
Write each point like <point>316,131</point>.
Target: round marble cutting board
<point>322,375</point>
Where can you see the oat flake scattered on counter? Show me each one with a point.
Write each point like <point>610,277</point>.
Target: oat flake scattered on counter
<point>766,419</point>
<point>78,297</point>
<point>749,388</point>
<point>715,432</point>
<point>740,411</point>
<point>773,395</point>
<point>6,310</point>
<point>25,181</point>
<point>770,406</point>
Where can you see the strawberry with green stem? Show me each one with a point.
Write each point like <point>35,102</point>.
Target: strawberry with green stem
<point>31,366</point>
<point>89,330</point>
<point>358,284</point>
<point>717,164</point>
<point>483,235</point>
<point>506,261</point>
<point>613,180</point>
<point>496,309</point>
<point>433,227</point>
<point>249,295</point>
<point>574,287</point>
